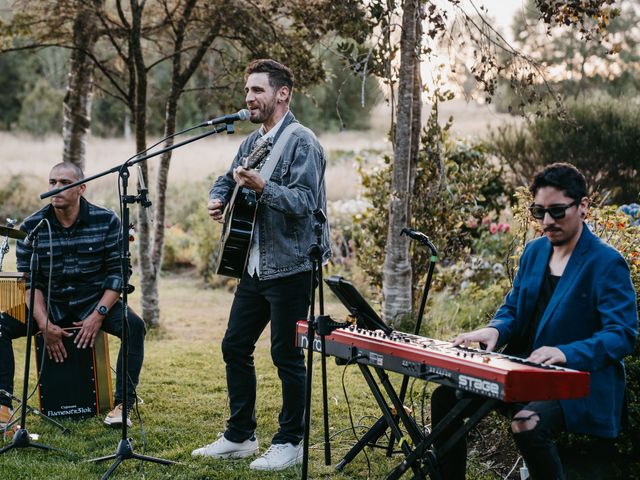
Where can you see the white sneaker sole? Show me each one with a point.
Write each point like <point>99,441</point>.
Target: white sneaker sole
<point>229,455</point>
<point>271,468</point>
<point>117,424</point>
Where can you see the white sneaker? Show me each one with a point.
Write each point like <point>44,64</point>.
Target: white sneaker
<point>278,457</point>
<point>223,448</point>
<point>114,417</point>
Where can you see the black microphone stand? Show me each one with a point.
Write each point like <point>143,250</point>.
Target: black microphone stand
<point>424,240</point>
<point>323,325</point>
<point>124,450</point>
<point>378,428</point>
<point>21,438</point>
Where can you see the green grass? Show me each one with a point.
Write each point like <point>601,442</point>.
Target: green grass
<point>185,405</point>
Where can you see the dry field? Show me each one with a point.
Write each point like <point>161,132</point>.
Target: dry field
<point>193,162</point>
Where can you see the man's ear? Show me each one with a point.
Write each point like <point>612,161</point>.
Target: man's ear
<point>284,94</point>
<point>583,206</point>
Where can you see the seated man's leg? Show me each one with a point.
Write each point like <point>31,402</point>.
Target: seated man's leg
<point>10,329</point>
<point>533,429</point>
<point>112,324</point>
<point>452,465</point>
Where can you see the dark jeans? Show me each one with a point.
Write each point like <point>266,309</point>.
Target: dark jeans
<point>536,446</point>
<point>10,329</point>
<point>282,301</point>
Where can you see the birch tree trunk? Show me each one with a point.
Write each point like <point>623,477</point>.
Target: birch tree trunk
<point>179,77</point>
<point>397,288</point>
<point>138,107</point>
<point>77,100</point>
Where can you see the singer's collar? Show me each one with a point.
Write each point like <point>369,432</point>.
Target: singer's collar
<point>272,133</point>
<point>83,214</point>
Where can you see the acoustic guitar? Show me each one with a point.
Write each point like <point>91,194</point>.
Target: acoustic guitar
<point>232,254</point>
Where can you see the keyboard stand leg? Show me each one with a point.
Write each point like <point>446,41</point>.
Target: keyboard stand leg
<point>456,413</point>
<point>412,429</point>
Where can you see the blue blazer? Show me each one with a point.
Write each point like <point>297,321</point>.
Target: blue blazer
<point>592,317</point>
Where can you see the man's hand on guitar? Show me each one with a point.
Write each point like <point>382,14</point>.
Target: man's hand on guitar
<point>215,209</point>
<point>249,179</point>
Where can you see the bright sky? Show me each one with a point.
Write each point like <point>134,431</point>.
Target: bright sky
<point>502,11</point>
<point>500,14</point>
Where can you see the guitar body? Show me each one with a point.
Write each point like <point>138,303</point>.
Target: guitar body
<point>237,232</point>
<point>232,254</point>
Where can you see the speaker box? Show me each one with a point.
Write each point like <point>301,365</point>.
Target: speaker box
<point>81,385</point>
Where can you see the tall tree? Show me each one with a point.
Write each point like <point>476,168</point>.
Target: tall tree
<point>77,100</point>
<point>397,288</point>
<point>488,47</point>
<point>135,37</point>
<point>195,30</point>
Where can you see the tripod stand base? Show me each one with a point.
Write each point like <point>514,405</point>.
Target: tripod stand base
<point>125,452</point>
<point>21,439</point>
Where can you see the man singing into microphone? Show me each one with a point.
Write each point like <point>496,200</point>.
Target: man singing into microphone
<point>572,304</point>
<point>86,281</point>
<point>276,283</point>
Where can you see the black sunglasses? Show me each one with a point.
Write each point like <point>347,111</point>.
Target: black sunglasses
<point>557,211</point>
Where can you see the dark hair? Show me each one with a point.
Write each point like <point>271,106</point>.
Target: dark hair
<point>279,75</point>
<point>77,171</point>
<point>562,176</point>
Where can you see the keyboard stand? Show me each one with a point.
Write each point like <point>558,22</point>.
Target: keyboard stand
<point>414,433</point>
<point>423,448</point>
<point>415,445</point>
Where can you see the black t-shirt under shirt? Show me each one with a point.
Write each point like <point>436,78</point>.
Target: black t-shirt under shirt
<point>546,291</point>
<point>522,346</point>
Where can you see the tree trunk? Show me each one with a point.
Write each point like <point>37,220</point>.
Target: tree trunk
<point>77,100</point>
<point>138,85</point>
<point>397,266</point>
<point>151,250</point>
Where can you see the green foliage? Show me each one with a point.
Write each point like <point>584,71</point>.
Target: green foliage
<point>455,185</point>
<point>601,138</point>
<point>41,110</point>
<point>19,197</point>
<point>11,82</point>
<point>343,101</point>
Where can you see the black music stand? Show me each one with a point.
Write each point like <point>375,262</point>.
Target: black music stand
<point>366,317</point>
<point>124,450</point>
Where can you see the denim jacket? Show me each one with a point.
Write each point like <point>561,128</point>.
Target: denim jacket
<point>296,188</point>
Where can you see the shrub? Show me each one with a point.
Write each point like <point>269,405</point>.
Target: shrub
<point>19,197</point>
<point>452,190</point>
<point>601,137</point>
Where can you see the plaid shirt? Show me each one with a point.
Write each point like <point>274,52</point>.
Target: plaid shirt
<point>85,258</point>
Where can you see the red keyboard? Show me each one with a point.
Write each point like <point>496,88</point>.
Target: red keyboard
<point>494,375</point>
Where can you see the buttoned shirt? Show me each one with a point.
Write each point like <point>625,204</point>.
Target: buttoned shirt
<point>253,263</point>
<point>84,259</point>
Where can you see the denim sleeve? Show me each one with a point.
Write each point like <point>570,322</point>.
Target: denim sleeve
<point>305,161</point>
<point>225,184</point>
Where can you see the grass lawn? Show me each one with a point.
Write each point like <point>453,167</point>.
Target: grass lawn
<point>185,406</point>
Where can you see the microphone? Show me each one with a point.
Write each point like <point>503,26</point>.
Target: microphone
<point>419,236</point>
<point>143,192</point>
<point>241,115</point>
<point>28,241</point>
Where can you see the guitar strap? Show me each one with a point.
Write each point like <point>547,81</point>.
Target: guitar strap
<point>270,165</point>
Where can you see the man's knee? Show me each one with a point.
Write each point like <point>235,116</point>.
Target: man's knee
<point>137,327</point>
<point>235,351</point>
<point>524,421</point>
